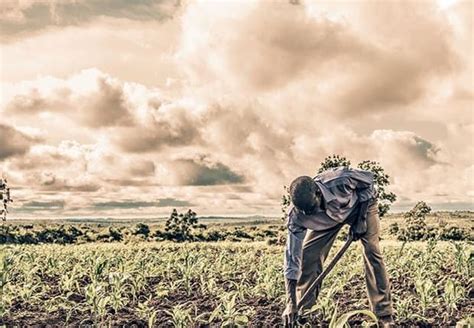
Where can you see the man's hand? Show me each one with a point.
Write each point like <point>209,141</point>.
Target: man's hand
<point>359,227</point>
<point>290,314</point>
<point>356,233</point>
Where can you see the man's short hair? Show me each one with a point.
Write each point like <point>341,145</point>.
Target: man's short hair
<point>302,192</point>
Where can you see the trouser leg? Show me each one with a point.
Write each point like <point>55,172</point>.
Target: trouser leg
<point>316,247</point>
<point>378,285</point>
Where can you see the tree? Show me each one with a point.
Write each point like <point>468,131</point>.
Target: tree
<point>385,198</point>
<point>179,226</point>
<point>416,227</point>
<point>285,202</point>
<point>381,179</point>
<point>333,161</point>
<point>5,198</point>
<point>418,212</point>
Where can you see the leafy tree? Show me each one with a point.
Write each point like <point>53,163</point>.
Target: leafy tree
<point>418,212</point>
<point>381,179</point>
<point>455,233</point>
<point>5,198</point>
<point>285,202</point>
<point>416,227</point>
<point>333,161</point>
<point>179,226</point>
<point>385,198</point>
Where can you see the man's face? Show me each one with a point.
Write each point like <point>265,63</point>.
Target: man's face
<point>317,200</point>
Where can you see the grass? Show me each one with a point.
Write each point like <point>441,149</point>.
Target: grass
<point>223,283</point>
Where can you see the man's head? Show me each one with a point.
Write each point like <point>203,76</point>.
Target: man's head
<point>305,194</point>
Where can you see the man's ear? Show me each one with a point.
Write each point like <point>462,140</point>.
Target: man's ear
<point>318,191</point>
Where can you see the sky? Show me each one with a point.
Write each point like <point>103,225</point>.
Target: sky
<point>120,108</point>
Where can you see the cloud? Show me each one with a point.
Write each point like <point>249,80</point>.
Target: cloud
<point>164,202</point>
<point>203,172</point>
<point>14,142</point>
<point>168,125</point>
<point>20,18</point>
<point>49,181</point>
<point>143,168</point>
<point>372,63</point>
<point>106,107</point>
<point>232,42</point>
<point>226,102</point>
<point>404,147</point>
<point>35,205</point>
<point>400,71</point>
<point>91,97</point>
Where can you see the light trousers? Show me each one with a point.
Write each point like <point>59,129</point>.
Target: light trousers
<point>316,247</point>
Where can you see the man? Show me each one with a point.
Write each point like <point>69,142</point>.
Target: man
<point>323,205</point>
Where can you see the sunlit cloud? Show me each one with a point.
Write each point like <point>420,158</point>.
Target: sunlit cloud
<point>134,109</point>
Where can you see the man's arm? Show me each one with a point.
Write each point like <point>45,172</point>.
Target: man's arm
<point>292,267</point>
<point>293,251</point>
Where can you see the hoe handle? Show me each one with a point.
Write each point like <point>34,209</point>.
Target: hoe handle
<point>326,271</point>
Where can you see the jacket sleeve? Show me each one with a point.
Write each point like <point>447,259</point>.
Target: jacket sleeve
<point>365,184</point>
<point>294,247</point>
<point>364,179</point>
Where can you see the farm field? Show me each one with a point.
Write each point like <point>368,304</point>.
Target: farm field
<point>201,284</point>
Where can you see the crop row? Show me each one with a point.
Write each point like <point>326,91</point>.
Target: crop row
<point>224,284</point>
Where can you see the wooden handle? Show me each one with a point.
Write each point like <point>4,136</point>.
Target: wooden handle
<point>326,271</point>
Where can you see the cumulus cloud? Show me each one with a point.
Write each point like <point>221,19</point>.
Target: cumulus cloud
<point>404,147</point>
<point>202,172</point>
<point>164,202</point>
<point>13,142</point>
<point>220,40</point>
<point>57,204</point>
<point>221,105</point>
<point>167,125</point>
<point>400,70</point>
<point>91,97</point>
<point>20,18</point>
<point>380,62</point>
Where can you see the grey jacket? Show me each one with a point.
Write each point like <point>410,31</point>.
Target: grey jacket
<point>342,189</point>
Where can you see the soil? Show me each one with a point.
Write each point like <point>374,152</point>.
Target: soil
<point>266,312</point>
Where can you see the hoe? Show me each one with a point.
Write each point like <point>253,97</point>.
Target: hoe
<point>323,274</point>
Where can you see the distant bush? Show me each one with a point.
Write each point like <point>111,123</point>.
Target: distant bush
<point>61,235</point>
<point>455,233</point>
<point>110,235</point>
<point>417,228</point>
<point>279,240</point>
<point>141,229</point>
<point>179,226</point>
<point>342,235</point>
<point>393,228</point>
<point>8,235</point>
<point>272,241</point>
<point>241,234</point>
<point>215,235</point>
<point>159,235</point>
<point>115,234</point>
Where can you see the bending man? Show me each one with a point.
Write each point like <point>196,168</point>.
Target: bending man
<point>323,205</point>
